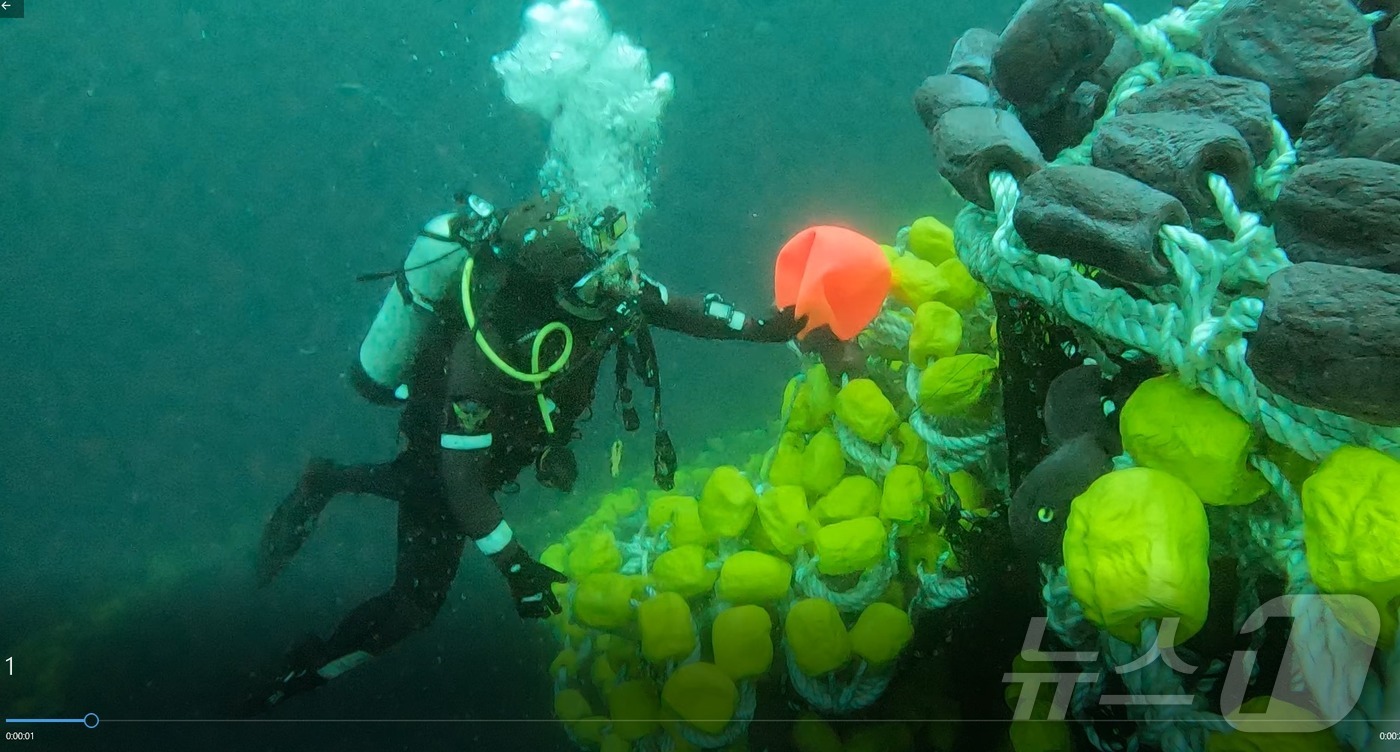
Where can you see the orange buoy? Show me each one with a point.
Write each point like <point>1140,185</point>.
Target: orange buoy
<point>835,277</point>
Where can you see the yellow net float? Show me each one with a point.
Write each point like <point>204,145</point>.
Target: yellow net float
<point>972,495</point>
<point>743,643</point>
<point>680,517</point>
<point>601,673</point>
<point>963,291</point>
<point>923,549</point>
<point>753,577</point>
<point>955,385</point>
<point>1137,547</point>
<point>812,733</point>
<point>570,705</point>
<point>881,633</point>
<point>604,600</point>
<point>937,333</point>
<point>556,557</point>
<point>850,546</point>
<point>667,629</point>
<point>931,240</point>
<point>566,661</point>
<point>633,707</point>
<point>816,636</point>
<point>685,570</point>
<point>880,737</point>
<point>785,519</point>
<point>809,400</point>
<point>1169,426</point>
<point>594,551</point>
<point>622,502</point>
<point>590,729</point>
<point>569,630</point>
<point>823,463</point>
<point>702,695</point>
<point>853,496</point>
<point>912,449</point>
<point>902,499</point>
<point>1029,662</point>
<point>1037,734</point>
<point>1351,527</point>
<point>727,503</point>
<point>621,651</point>
<point>863,408</point>
<point>785,467</point>
<point>611,742</point>
<point>914,281</point>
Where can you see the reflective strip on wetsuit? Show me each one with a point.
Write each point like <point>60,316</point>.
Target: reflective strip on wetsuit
<point>496,541</point>
<point>465,443</point>
<point>717,307</point>
<point>661,290</point>
<point>342,664</point>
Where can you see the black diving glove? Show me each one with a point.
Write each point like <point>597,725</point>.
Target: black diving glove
<point>529,582</point>
<point>841,357</point>
<point>780,325</point>
<point>557,468</point>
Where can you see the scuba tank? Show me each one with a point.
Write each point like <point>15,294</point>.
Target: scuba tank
<point>410,307</point>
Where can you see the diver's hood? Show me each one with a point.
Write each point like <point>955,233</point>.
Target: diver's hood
<point>533,238</point>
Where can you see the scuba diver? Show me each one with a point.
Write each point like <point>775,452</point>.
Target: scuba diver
<point>492,337</point>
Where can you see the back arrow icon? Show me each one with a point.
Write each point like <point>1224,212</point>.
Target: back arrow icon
<point>4,6</point>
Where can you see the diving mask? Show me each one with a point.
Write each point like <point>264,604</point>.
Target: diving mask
<point>615,265</point>
<point>607,228</point>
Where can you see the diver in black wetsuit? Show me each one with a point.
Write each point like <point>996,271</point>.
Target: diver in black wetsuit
<point>504,368</point>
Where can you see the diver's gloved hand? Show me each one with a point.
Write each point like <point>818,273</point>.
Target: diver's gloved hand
<point>557,468</point>
<point>841,357</point>
<point>780,325</point>
<point>529,582</point>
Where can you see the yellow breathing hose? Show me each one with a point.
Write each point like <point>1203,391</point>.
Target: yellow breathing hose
<point>535,375</point>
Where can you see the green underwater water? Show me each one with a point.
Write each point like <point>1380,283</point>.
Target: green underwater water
<point>187,192</point>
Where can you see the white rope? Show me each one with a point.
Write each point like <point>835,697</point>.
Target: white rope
<point>640,551</point>
<point>939,589</point>
<point>1063,614</point>
<point>1159,329</point>
<point>833,696</point>
<point>874,461</point>
<point>949,452</point>
<point>872,583</point>
<point>890,330</point>
<point>1148,675</point>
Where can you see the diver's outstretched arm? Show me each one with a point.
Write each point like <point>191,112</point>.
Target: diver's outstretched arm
<point>712,317</point>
